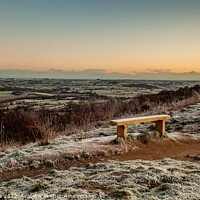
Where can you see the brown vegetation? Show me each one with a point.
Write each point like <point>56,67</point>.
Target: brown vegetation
<point>25,124</point>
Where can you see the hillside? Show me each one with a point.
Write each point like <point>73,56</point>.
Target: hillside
<point>97,168</point>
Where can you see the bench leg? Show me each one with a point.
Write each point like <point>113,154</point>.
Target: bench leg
<point>160,127</point>
<point>122,131</point>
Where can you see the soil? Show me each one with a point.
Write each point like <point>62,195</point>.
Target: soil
<point>184,147</point>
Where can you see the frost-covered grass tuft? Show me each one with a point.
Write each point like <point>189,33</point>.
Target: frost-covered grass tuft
<point>161,179</point>
<point>142,136</point>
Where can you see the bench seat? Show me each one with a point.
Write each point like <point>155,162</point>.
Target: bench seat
<point>122,123</point>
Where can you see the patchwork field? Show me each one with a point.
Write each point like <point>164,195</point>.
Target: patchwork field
<point>48,90</point>
<point>5,93</point>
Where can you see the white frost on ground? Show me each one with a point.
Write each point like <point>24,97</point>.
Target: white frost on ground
<point>22,157</point>
<point>165,179</point>
<point>162,179</point>
<point>28,155</point>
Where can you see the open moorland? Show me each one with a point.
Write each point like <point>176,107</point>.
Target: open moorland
<point>56,142</point>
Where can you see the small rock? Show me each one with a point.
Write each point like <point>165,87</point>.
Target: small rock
<point>90,166</point>
<point>39,186</point>
<point>2,154</point>
<point>13,163</point>
<point>184,123</point>
<point>119,140</point>
<point>197,158</point>
<point>183,110</point>
<point>168,128</point>
<point>197,120</point>
<point>101,153</point>
<point>69,157</point>
<point>131,137</point>
<point>53,172</point>
<point>151,127</point>
<point>77,157</point>
<point>117,152</point>
<point>49,163</point>
<point>173,121</point>
<point>35,165</point>
<point>85,154</point>
<point>102,134</point>
<point>122,194</point>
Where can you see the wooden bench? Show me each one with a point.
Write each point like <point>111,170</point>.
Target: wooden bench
<point>122,123</point>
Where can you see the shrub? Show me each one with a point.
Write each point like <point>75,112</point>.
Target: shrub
<point>24,124</point>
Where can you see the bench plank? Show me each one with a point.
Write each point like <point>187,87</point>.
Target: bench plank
<point>135,120</point>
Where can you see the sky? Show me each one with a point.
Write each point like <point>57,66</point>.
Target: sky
<point>127,37</point>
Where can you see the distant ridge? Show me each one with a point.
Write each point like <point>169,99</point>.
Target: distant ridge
<point>98,74</point>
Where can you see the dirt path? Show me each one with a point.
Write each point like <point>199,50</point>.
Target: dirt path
<point>184,148</point>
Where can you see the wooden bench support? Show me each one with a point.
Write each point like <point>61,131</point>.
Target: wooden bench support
<point>122,131</point>
<point>122,123</point>
<point>160,127</point>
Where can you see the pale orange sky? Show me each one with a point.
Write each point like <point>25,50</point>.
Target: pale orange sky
<point>131,37</point>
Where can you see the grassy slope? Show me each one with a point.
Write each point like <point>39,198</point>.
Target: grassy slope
<point>162,179</point>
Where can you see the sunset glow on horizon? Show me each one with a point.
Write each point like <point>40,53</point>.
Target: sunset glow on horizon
<point>128,36</point>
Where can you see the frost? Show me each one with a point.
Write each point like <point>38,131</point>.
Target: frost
<point>138,179</point>
<point>161,179</point>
